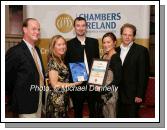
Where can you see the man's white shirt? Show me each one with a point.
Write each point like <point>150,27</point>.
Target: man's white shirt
<point>124,51</point>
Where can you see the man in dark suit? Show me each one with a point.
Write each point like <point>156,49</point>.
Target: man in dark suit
<point>24,72</point>
<point>135,62</point>
<point>82,49</point>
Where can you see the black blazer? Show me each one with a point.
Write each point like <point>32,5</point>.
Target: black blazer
<point>21,75</point>
<point>75,51</point>
<point>135,73</point>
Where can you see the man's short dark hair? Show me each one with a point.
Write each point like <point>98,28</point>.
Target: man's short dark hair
<point>25,22</point>
<point>79,19</point>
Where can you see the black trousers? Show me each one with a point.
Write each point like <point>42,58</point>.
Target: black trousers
<point>79,97</point>
<point>125,110</point>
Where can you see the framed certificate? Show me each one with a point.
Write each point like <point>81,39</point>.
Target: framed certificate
<point>78,71</point>
<point>98,72</point>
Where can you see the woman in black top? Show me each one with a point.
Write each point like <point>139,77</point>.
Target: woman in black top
<point>108,43</point>
<point>109,92</point>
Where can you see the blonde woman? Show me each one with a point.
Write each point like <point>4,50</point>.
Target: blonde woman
<point>58,75</point>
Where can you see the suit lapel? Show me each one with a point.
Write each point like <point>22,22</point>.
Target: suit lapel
<point>129,54</point>
<point>80,48</point>
<point>87,47</point>
<point>28,53</point>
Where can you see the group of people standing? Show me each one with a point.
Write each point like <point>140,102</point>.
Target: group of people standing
<point>129,64</point>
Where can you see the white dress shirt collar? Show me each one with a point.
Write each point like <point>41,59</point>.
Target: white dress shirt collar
<point>124,51</point>
<point>28,45</point>
<point>82,41</point>
<point>126,47</point>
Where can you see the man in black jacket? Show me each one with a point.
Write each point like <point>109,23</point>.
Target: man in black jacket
<point>82,49</point>
<point>24,72</point>
<point>135,62</point>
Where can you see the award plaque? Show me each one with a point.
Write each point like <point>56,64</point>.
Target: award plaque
<point>98,72</point>
<point>78,71</point>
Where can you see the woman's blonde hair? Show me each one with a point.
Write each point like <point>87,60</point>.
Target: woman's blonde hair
<point>52,54</point>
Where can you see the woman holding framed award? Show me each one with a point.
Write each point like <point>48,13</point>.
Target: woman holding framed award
<point>109,93</point>
<point>58,75</point>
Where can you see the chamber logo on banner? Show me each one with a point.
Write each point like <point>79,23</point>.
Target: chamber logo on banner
<point>64,23</point>
<point>100,22</point>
